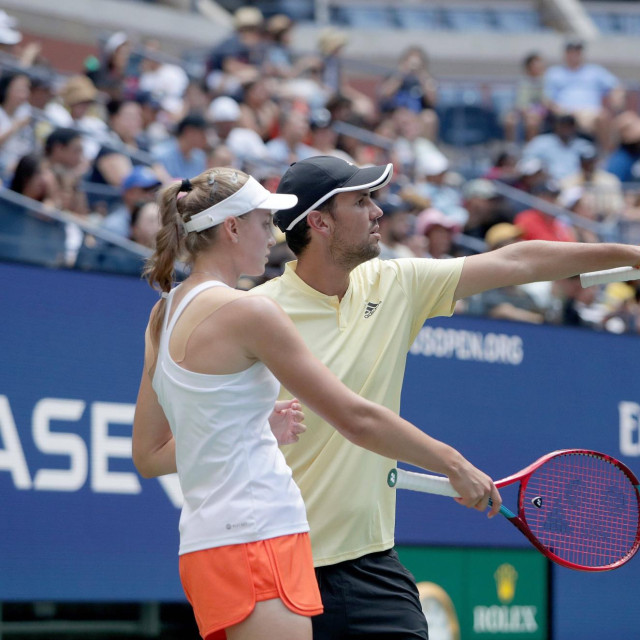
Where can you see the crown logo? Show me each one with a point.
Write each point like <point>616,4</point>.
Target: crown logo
<point>506,577</point>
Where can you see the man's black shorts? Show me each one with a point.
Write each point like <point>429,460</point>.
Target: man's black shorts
<point>372,597</point>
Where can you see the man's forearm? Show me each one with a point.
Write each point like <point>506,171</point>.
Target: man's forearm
<point>538,260</point>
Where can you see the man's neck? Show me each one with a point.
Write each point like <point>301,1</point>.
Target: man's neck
<point>323,275</point>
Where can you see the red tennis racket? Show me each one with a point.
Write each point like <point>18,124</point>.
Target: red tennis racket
<point>580,508</point>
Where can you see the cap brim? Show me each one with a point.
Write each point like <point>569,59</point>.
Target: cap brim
<point>371,178</point>
<point>279,201</point>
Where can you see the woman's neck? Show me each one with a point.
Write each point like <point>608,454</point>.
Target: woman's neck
<point>209,270</point>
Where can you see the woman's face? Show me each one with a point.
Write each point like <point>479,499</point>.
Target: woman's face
<point>127,123</point>
<point>147,225</point>
<point>256,238</point>
<point>18,91</point>
<point>36,186</point>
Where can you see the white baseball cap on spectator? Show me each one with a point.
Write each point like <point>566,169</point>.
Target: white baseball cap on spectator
<point>570,197</point>
<point>432,164</point>
<point>8,34</point>
<point>115,41</point>
<point>529,166</point>
<point>479,188</point>
<point>223,109</point>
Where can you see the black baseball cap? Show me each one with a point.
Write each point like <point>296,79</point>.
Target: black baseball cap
<point>317,179</point>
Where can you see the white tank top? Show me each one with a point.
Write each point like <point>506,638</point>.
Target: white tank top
<point>237,486</point>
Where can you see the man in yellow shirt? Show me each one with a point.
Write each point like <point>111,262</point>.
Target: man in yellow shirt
<point>360,315</point>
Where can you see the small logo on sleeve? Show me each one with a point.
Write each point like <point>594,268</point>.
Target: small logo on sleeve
<point>371,308</point>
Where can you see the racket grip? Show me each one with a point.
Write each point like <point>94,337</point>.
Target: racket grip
<point>620,274</point>
<point>438,485</point>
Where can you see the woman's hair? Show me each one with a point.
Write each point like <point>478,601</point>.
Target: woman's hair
<point>5,82</point>
<point>27,167</point>
<point>179,202</point>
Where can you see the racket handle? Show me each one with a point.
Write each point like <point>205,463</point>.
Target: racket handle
<point>438,485</point>
<point>620,274</point>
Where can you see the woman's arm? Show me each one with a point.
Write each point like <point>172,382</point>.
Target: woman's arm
<point>268,334</point>
<point>154,449</point>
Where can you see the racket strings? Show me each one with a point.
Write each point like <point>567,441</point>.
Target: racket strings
<point>584,509</point>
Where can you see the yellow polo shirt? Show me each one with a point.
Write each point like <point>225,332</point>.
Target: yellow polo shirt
<point>364,339</point>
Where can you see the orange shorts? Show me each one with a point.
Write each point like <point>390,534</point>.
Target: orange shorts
<point>223,584</point>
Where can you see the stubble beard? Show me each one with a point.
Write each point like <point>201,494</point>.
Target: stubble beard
<point>349,257</point>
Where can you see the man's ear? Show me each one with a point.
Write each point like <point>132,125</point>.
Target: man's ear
<point>319,221</point>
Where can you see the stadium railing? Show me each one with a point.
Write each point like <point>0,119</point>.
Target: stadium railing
<point>35,234</point>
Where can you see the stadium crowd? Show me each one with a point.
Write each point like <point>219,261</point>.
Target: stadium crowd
<point>101,143</point>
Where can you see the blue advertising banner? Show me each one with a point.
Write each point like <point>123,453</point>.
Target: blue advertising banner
<point>78,523</point>
<point>504,394</point>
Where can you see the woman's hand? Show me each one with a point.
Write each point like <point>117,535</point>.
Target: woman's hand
<point>286,421</point>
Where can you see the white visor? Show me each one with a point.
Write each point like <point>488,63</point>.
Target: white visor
<point>252,195</point>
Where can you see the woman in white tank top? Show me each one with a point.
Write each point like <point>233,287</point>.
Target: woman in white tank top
<point>214,361</point>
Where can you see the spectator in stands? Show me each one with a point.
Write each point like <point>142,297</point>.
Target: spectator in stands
<point>166,82</point>
<point>505,303</point>
<point>258,109</point>
<point>530,173</point>
<point>196,98</point>
<point>289,146</point>
<point>623,301</point>
<point>431,175</point>
<point>10,39</point>
<point>140,185</point>
<point>9,35</point>
<point>576,303</point>
<point>582,203</point>
<point>221,156</point>
<point>485,207</point>
<point>413,144</point>
<point>240,57</point>
<point>33,179</point>
<point>145,223</point>
<point>624,162</point>
<point>184,155</point>
<point>111,74</point>
<point>118,155</point>
<point>279,58</point>
<point>439,231</point>
<point>245,144</point>
<point>540,225</point>
<point>413,88</point>
<point>17,136</point>
<point>604,188</point>
<point>154,120</point>
<point>588,91</point>
<point>531,105</point>
<point>42,89</point>
<point>77,108</point>
<point>323,136</point>
<point>504,167</point>
<point>559,151</point>
<point>64,152</point>
<point>331,43</point>
<point>395,228</point>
